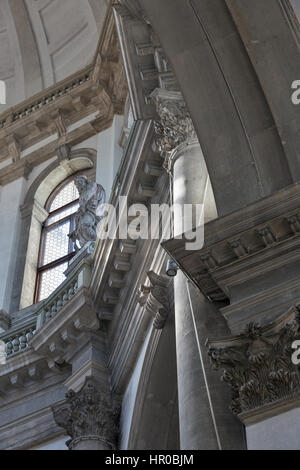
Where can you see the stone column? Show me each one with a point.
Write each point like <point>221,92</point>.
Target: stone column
<point>177,141</point>
<point>90,417</point>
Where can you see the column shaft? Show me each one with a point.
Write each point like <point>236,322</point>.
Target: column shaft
<point>205,421</point>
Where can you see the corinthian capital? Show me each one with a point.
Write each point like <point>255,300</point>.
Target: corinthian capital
<point>258,364</point>
<point>89,415</point>
<point>175,125</point>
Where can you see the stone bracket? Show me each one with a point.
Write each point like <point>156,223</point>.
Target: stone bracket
<point>156,298</point>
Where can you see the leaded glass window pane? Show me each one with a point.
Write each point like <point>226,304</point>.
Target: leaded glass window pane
<point>51,279</point>
<point>56,243</point>
<point>61,215</point>
<point>56,247</point>
<point>67,194</point>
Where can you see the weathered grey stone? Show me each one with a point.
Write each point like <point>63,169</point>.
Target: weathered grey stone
<point>175,125</point>
<point>91,195</point>
<point>209,84</point>
<point>258,363</point>
<point>89,417</point>
<point>156,298</point>
<point>230,112</point>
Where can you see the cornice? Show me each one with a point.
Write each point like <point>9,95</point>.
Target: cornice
<point>243,244</point>
<point>67,113</point>
<point>62,329</point>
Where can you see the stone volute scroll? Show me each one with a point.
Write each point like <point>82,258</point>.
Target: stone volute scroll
<point>90,417</point>
<point>91,196</point>
<point>155,298</point>
<point>258,365</point>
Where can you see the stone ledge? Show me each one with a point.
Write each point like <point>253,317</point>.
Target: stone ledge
<point>5,321</point>
<point>269,410</point>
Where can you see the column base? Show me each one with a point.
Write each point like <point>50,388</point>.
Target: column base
<point>89,443</point>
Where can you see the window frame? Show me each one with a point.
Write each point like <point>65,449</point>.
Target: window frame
<point>46,228</point>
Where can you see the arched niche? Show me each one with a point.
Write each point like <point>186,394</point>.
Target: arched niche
<point>33,215</point>
<point>155,424</point>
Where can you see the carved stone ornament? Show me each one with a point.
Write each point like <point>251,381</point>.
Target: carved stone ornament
<point>91,195</point>
<point>258,364</point>
<point>175,125</point>
<point>155,298</point>
<point>89,415</point>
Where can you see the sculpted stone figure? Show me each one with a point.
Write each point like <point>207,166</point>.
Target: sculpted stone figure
<point>91,195</point>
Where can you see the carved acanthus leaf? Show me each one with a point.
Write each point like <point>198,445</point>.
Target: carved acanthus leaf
<point>175,125</point>
<point>258,364</point>
<point>89,412</point>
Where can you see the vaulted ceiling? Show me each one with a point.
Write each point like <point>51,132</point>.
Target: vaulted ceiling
<point>44,41</point>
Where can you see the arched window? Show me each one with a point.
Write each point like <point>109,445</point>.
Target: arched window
<point>56,249</point>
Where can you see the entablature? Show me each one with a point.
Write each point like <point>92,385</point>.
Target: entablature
<point>250,259</point>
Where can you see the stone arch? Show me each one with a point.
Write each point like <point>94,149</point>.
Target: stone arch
<point>246,157</point>
<point>33,215</point>
<point>155,422</point>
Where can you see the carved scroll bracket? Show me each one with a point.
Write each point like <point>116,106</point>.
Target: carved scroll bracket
<point>155,298</point>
